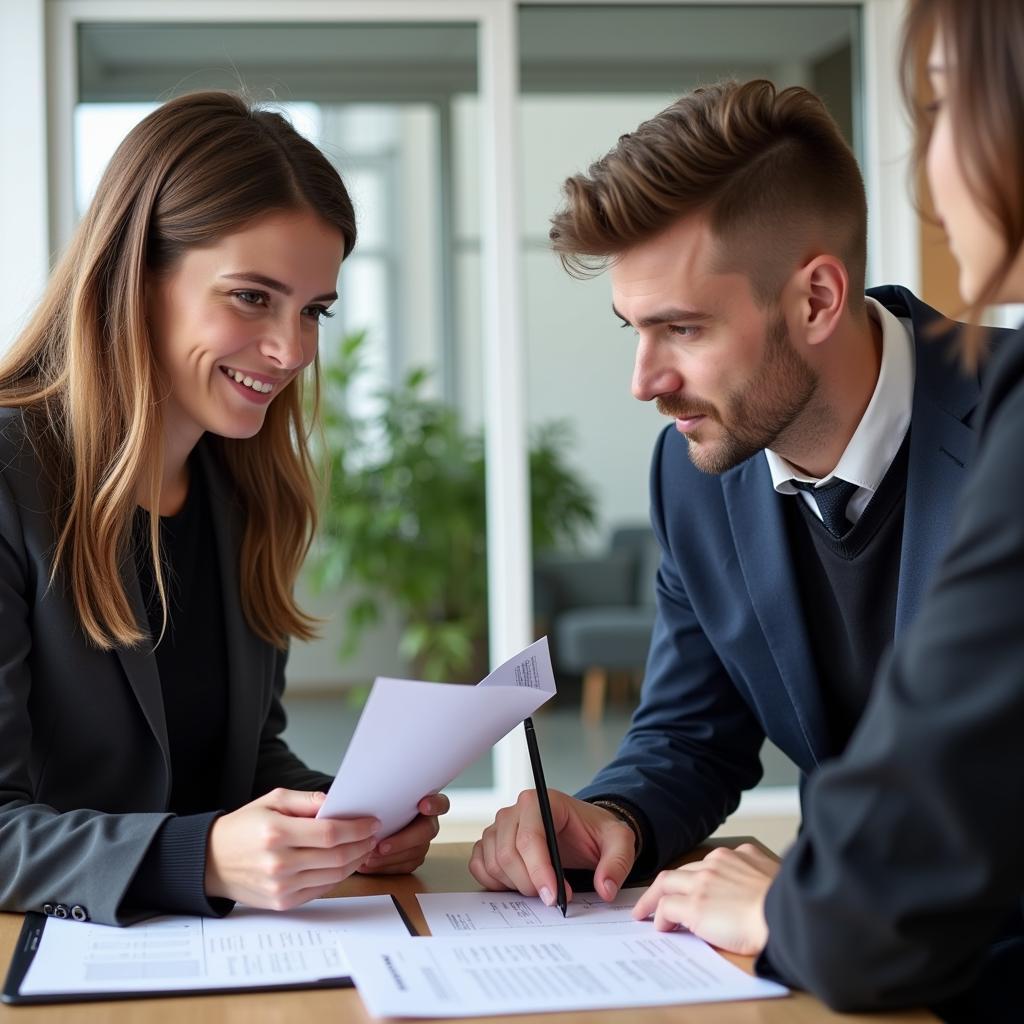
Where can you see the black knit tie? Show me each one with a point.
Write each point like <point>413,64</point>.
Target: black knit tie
<point>832,500</point>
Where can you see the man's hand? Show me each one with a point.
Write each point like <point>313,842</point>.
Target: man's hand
<point>405,850</point>
<point>720,898</point>
<point>513,852</point>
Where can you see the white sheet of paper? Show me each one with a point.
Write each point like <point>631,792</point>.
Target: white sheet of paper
<point>248,948</point>
<point>538,970</point>
<point>414,737</point>
<point>455,913</point>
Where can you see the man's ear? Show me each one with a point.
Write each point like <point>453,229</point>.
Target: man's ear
<point>818,294</point>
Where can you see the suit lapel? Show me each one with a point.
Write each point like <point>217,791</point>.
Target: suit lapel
<point>246,655</point>
<point>759,534</point>
<point>139,664</point>
<point>941,447</point>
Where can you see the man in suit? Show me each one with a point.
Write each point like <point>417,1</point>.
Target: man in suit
<point>802,494</point>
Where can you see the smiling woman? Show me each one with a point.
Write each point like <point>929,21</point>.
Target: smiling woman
<point>156,503</point>
<point>229,342</point>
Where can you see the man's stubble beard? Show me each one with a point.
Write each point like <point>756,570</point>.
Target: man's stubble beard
<point>776,408</point>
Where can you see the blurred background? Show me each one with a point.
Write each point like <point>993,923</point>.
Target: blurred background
<point>404,102</point>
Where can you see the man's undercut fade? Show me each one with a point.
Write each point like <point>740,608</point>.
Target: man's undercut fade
<point>769,168</point>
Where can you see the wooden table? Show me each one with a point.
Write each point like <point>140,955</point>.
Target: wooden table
<point>444,871</point>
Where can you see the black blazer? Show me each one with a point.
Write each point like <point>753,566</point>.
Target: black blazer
<point>84,761</point>
<point>731,659</point>
<point>911,859</point>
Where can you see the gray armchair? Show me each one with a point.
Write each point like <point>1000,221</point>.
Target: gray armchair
<point>599,612</point>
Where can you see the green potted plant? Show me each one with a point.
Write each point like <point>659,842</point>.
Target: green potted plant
<point>405,517</point>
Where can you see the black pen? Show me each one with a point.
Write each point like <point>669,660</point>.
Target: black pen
<point>545,813</point>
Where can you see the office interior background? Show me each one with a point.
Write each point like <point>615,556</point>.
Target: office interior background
<point>454,123</point>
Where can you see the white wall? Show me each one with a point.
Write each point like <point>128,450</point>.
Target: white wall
<point>578,360</point>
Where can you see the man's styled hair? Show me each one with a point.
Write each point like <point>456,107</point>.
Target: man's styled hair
<point>770,169</point>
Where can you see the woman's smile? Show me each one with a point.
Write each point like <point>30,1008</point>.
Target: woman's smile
<point>250,381</point>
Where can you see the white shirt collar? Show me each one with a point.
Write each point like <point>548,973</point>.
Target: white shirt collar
<point>883,426</point>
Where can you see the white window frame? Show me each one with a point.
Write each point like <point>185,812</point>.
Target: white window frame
<point>24,212</point>
<point>44,226</point>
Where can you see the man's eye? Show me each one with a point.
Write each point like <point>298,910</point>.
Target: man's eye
<point>684,331</point>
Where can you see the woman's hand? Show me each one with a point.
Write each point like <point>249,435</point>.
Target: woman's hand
<point>274,853</point>
<point>720,898</point>
<point>406,849</point>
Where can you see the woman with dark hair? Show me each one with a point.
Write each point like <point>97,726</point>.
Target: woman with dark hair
<point>905,884</point>
<point>156,503</point>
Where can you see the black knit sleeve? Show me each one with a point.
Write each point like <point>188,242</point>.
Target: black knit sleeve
<point>171,878</point>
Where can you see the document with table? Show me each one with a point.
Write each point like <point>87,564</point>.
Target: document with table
<point>63,960</point>
<point>499,953</point>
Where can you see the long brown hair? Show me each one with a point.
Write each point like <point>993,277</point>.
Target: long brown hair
<point>983,44</point>
<point>770,168</point>
<point>195,170</point>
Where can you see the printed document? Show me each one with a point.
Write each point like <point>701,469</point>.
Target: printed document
<point>541,970</point>
<point>454,913</point>
<point>249,948</point>
<point>414,737</point>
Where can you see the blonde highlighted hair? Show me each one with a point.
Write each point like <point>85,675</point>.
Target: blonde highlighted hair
<point>195,170</point>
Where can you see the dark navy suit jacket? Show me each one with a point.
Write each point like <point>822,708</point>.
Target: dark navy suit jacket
<point>730,660</point>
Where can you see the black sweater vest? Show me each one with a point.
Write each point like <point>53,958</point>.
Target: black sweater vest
<point>848,588</point>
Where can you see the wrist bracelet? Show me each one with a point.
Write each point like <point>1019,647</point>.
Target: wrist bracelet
<point>625,815</point>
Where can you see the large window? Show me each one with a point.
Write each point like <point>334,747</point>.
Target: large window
<point>454,124</point>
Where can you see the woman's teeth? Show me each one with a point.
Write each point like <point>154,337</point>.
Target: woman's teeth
<point>253,385</point>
